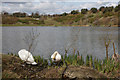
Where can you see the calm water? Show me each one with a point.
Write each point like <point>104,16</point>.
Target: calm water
<point>83,39</point>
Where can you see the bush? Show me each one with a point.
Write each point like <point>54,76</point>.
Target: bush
<point>117,8</point>
<point>102,8</point>
<point>75,12</point>
<point>108,14</point>
<point>94,10</point>
<point>84,11</point>
<point>24,21</point>
<point>64,14</point>
<point>9,20</point>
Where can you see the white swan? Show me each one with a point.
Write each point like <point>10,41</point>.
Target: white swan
<point>56,57</point>
<point>26,56</point>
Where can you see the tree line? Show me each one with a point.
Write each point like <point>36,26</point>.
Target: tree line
<point>103,9</point>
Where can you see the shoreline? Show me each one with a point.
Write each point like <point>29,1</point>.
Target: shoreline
<point>12,65</point>
<point>29,25</point>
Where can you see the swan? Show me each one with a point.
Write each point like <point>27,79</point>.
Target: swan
<point>26,56</point>
<point>56,57</point>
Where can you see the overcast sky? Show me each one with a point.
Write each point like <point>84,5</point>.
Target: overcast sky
<point>53,6</point>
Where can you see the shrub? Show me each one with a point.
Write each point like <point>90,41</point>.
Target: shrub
<point>84,11</point>
<point>75,12</point>
<point>102,8</point>
<point>117,8</point>
<point>9,20</point>
<point>94,10</point>
<point>24,21</point>
<point>64,14</point>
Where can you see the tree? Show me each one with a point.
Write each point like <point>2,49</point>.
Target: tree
<point>106,40</point>
<point>102,8</point>
<point>75,12</point>
<point>23,14</point>
<point>109,9</point>
<point>19,14</point>
<point>36,15</point>
<point>32,14</point>
<point>84,11</point>
<point>117,8</point>
<point>107,43</point>
<point>64,14</point>
<point>31,39</point>
<point>6,13</point>
<point>94,10</point>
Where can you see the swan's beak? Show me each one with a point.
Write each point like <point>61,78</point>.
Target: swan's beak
<point>54,59</point>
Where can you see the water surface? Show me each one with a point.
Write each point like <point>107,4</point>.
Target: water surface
<point>86,40</point>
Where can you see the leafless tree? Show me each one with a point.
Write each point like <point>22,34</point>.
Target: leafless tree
<point>107,39</point>
<point>107,43</point>
<point>114,48</point>
<point>74,39</point>
<point>31,39</point>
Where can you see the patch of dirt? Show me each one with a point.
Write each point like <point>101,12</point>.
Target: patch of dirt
<point>13,67</point>
<point>16,66</point>
<point>51,72</point>
<point>82,72</point>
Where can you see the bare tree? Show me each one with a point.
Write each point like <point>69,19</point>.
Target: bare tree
<point>107,38</point>
<point>106,42</point>
<point>31,39</point>
<point>74,39</point>
<point>114,48</point>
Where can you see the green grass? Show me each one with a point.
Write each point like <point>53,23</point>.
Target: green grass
<point>88,19</point>
<point>105,66</point>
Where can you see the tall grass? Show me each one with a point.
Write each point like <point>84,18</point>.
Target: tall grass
<point>105,65</point>
<point>41,60</point>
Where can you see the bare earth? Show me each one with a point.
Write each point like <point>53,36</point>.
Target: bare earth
<point>13,67</point>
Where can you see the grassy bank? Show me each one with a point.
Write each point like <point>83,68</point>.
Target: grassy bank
<point>13,67</point>
<point>99,19</point>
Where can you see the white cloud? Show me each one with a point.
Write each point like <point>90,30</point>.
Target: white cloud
<point>111,4</point>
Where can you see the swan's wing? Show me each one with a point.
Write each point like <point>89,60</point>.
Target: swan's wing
<point>23,54</point>
<point>58,57</point>
<point>54,54</point>
<point>30,58</point>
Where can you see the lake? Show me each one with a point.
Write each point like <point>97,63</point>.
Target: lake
<point>86,40</point>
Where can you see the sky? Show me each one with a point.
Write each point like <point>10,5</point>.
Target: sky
<point>52,6</point>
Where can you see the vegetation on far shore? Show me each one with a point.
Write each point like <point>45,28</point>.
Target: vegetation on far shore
<point>104,16</point>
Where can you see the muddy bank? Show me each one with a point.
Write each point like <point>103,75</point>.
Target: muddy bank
<point>13,67</point>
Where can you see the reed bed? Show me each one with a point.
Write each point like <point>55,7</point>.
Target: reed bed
<point>104,66</point>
